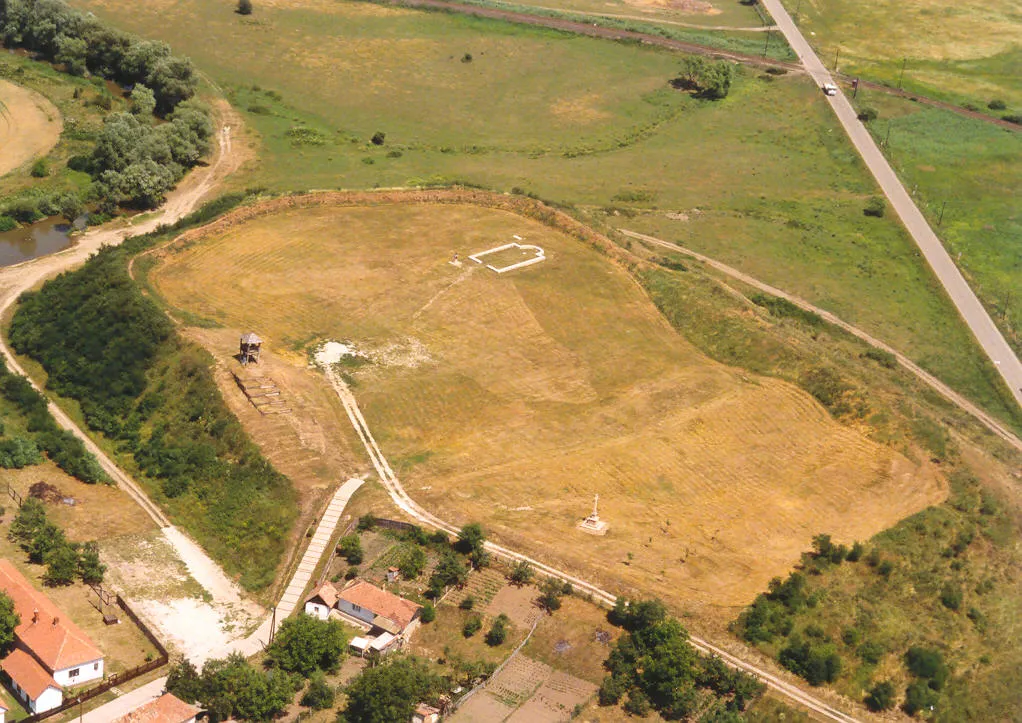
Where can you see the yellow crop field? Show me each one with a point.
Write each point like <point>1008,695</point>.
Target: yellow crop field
<point>514,398</point>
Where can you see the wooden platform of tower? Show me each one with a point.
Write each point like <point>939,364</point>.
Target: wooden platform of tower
<point>250,348</point>
<point>262,392</point>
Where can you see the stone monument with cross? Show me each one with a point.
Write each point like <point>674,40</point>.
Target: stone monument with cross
<point>593,524</point>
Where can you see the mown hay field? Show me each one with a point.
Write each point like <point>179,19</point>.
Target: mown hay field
<point>513,399</point>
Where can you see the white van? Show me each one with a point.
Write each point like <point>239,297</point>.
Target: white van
<point>829,89</point>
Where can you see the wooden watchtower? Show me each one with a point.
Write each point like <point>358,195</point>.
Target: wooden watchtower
<point>250,346</point>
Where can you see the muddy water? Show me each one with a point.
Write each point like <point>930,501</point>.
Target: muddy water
<point>39,239</point>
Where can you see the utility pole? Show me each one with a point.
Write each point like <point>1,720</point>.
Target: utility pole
<point>797,8</point>
<point>273,622</point>
<point>941,219</point>
<point>901,77</point>
<point>837,54</point>
<point>887,138</point>
<point>767,43</point>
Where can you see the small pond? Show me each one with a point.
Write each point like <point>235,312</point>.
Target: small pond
<point>38,239</point>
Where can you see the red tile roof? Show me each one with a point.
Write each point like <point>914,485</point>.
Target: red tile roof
<point>325,592</point>
<point>165,709</point>
<point>54,639</point>
<point>380,602</point>
<point>25,670</point>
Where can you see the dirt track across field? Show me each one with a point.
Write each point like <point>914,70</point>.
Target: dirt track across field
<point>30,126</point>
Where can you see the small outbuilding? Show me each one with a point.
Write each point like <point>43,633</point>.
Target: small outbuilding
<point>251,345</point>
<point>425,714</point>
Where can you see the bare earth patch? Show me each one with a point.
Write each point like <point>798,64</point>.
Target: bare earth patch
<point>30,126</point>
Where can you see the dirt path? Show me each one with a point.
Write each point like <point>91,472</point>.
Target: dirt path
<point>661,21</point>
<point>404,501</point>
<point>30,125</point>
<point>19,278</point>
<point>940,387</point>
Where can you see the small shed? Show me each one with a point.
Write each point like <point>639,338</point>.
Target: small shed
<point>393,574</point>
<point>425,714</point>
<point>250,347</point>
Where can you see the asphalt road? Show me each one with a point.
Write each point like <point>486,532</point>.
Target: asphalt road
<point>970,308</point>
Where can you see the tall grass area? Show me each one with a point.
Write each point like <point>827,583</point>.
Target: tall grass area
<point>967,178</point>
<point>963,52</point>
<point>769,181</point>
<point>947,580</point>
<point>153,396</point>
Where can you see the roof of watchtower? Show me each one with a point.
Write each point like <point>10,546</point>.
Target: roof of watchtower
<point>251,338</point>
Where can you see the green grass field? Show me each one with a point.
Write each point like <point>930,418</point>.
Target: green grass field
<point>967,51</point>
<point>724,13</point>
<point>972,167</point>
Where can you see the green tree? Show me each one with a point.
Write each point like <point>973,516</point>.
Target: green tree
<point>320,695</point>
<point>521,573</point>
<point>471,538</point>
<point>428,614</point>
<point>47,539</point>
<point>550,595</point>
<point>919,697</point>
<point>90,569</point>
<point>449,571</point>
<point>412,563</point>
<point>498,631</point>
<point>18,452</point>
<point>9,620</point>
<point>184,682</point>
<point>31,516</point>
<point>305,644</point>
<point>389,692</point>
<point>881,696</point>
<point>244,7</point>
<point>70,206</point>
<point>472,625</point>
<point>350,548</point>
<point>61,566</point>
<point>143,101</point>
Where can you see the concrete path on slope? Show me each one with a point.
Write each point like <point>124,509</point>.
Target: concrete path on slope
<point>964,299</point>
<point>292,596</point>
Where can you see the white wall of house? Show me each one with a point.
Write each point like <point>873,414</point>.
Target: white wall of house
<point>3,716</point>
<point>355,611</point>
<point>80,673</point>
<point>316,610</point>
<point>51,698</point>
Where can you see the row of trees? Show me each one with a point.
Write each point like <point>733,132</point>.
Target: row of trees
<point>61,446</point>
<point>83,45</point>
<point>47,545</point>
<point>106,345</point>
<point>652,666</point>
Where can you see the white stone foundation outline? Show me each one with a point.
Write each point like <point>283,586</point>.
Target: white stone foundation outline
<point>540,256</point>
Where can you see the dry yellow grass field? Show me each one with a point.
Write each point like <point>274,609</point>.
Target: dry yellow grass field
<point>30,125</point>
<point>513,399</point>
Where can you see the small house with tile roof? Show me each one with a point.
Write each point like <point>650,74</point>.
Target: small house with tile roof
<point>388,619</point>
<point>50,652</point>
<point>166,709</point>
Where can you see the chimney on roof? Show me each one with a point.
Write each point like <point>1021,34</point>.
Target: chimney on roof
<point>56,620</point>
<point>35,615</point>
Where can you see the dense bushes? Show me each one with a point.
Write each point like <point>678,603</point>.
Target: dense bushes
<point>654,665</point>
<point>137,163</point>
<point>62,447</point>
<point>305,644</point>
<point>107,346</point>
<point>709,79</point>
<point>82,43</point>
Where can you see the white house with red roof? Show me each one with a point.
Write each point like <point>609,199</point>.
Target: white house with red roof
<point>166,709</point>
<point>50,651</point>
<point>388,618</point>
